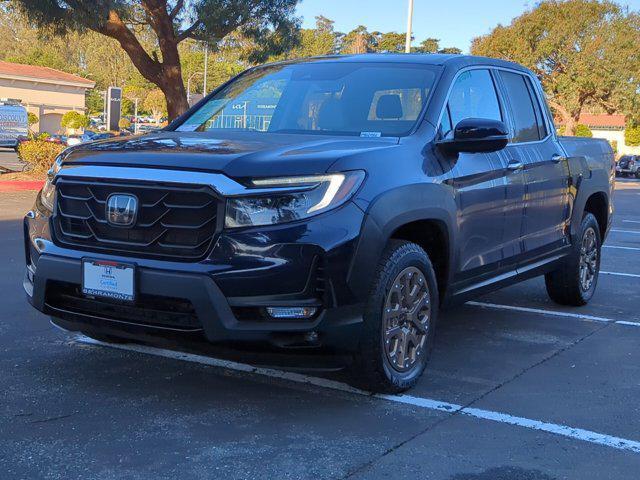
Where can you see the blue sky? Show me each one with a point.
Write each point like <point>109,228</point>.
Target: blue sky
<point>454,22</point>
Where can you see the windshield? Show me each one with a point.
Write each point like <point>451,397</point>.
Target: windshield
<point>337,98</point>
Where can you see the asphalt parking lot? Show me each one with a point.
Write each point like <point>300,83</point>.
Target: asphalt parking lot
<point>518,388</point>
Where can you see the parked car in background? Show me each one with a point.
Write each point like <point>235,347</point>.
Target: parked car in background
<point>380,188</point>
<point>14,123</point>
<point>56,138</point>
<point>628,165</point>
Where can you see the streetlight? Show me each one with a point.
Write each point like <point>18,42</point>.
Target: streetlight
<point>189,85</point>
<point>206,61</point>
<point>407,44</point>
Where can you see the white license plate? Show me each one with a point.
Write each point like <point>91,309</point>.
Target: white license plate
<point>108,279</point>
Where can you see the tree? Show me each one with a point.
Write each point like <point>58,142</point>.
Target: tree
<point>156,105</point>
<point>270,23</point>
<point>582,130</point>
<point>74,120</point>
<point>358,40</point>
<point>429,45</point>
<point>584,51</point>
<point>32,118</point>
<point>390,42</point>
<point>632,135</point>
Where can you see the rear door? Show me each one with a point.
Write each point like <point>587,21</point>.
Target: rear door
<point>544,166</point>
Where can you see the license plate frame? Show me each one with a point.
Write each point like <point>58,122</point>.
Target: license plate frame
<point>108,279</point>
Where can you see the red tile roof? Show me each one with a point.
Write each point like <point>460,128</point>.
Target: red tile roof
<point>595,121</point>
<point>42,73</point>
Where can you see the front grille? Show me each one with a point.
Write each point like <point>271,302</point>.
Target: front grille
<point>148,310</point>
<point>176,221</point>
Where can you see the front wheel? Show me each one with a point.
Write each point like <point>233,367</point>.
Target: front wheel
<point>574,283</point>
<point>399,321</point>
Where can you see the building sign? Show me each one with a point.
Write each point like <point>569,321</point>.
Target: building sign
<point>114,102</point>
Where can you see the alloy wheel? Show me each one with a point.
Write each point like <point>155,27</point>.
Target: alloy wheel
<point>406,319</point>
<point>588,259</point>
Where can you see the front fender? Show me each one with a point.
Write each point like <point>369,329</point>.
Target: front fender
<point>386,214</point>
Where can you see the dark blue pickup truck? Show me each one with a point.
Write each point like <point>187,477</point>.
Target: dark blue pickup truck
<point>333,203</point>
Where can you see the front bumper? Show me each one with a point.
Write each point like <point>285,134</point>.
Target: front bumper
<point>246,271</point>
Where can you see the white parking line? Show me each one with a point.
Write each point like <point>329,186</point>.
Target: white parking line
<point>621,248</point>
<point>631,221</point>
<point>619,230</point>
<point>426,403</point>
<point>619,274</point>
<point>553,313</point>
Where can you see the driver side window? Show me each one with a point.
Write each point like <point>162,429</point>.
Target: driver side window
<point>473,96</point>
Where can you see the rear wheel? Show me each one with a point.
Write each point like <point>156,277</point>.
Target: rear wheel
<point>574,283</point>
<point>399,322</point>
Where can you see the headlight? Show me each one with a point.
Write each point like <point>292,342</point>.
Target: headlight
<point>48,193</point>
<point>292,198</point>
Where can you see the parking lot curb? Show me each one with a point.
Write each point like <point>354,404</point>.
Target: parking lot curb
<point>20,185</point>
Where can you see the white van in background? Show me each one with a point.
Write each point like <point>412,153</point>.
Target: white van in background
<point>14,123</point>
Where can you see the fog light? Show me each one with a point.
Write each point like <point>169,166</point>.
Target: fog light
<point>292,312</point>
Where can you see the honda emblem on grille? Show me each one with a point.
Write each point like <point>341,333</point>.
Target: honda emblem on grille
<point>122,209</point>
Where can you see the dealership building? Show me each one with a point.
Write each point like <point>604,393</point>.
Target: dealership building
<point>44,91</point>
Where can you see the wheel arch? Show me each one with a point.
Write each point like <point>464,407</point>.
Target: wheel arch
<point>422,213</point>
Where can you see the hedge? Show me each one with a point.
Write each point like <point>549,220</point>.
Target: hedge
<point>39,155</point>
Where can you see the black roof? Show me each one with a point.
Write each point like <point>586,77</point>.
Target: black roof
<point>447,60</point>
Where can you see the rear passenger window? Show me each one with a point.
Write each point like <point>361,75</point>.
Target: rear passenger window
<point>529,124</point>
<point>474,96</point>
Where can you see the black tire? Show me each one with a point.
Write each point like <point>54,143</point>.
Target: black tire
<point>372,369</point>
<point>564,285</point>
<point>638,174</point>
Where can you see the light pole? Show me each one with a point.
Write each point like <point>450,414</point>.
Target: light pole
<point>407,44</point>
<point>189,85</point>
<point>135,116</point>
<point>206,61</point>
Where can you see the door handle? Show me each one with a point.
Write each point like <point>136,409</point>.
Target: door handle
<point>557,158</point>
<point>515,165</point>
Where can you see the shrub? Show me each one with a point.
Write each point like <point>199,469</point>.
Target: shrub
<point>124,123</point>
<point>32,118</point>
<point>632,136</point>
<point>39,155</point>
<point>583,131</point>
<point>74,120</point>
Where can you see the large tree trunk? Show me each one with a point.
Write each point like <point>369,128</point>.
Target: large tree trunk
<point>172,86</point>
<point>568,119</point>
<point>167,75</point>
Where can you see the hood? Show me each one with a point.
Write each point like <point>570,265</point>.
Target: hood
<point>236,154</point>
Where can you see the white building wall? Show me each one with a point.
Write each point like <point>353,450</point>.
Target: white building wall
<point>618,136</point>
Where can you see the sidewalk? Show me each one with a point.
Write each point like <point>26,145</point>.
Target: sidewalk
<point>9,161</point>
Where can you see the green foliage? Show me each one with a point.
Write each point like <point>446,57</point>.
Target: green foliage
<point>156,104</point>
<point>432,45</point>
<point>32,118</point>
<point>124,123</point>
<point>584,51</point>
<point>632,135</point>
<point>39,154</point>
<point>614,146</point>
<point>74,120</point>
<point>583,131</point>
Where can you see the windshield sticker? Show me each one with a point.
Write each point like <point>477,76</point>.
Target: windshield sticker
<point>370,134</point>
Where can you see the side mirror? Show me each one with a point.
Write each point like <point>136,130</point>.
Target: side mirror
<point>476,135</point>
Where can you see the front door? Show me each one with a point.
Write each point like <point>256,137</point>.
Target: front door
<point>479,180</point>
